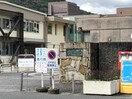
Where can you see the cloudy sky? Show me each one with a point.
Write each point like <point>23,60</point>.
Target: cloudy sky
<point>102,6</point>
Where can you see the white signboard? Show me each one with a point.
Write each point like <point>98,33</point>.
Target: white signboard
<point>25,62</point>
<point>41,60</point>
<point>41,67</point>
<point>52,58</point>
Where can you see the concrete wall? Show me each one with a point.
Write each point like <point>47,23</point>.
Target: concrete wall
<point>124,11</point>
<point>57,8</point>
<point>63,8</point>
<point>73,9</point>
<point>112,29</point>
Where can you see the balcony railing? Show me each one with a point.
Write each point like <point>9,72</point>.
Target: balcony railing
<point>74,37</point>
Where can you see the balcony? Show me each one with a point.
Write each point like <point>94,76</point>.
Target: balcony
<point>74,37</point>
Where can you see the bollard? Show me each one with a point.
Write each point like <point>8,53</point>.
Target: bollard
<point>21,86</point>
<point>73,83</point>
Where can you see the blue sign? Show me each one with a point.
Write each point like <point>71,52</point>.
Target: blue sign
<point>41,54</point>
<point>126,72</point>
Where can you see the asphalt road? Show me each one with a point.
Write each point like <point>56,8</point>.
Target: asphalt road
<point>10,82</point>
<point>10,89</point>
<point>35,95</point>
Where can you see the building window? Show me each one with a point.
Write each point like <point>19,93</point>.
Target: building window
<point>55,29</point>
<point>6,23</point>
<point>31,26</point>
<point>6,48</point>
<point>71,29</point>
<point>49,28</point>
<point>26,25</point>
<point>36,27</point>
<point>64,30</point>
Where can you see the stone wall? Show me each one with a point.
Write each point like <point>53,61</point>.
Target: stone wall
<point>108,59</point>
<point>99,61</point>
<point>80,66</point>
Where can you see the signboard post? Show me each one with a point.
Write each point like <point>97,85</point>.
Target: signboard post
<point>52,62</point>
<point>46,58</point>
<point>41,62</point>
<point>25,65</point>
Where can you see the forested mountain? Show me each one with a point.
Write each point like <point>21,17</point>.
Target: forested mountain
<point>39,5</point>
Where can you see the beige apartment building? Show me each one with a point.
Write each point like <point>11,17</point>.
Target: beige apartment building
<point>58,29</point>
<point>35,26</point>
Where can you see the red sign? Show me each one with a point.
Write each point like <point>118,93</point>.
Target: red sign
<point>51,54</point>
<point>120,54</point>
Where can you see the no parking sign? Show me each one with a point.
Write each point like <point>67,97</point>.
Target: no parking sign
<point>52,58</point>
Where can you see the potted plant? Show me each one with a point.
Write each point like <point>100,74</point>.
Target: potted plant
<point>103,87</point>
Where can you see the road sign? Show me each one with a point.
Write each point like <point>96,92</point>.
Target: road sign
<point>52,58</point>
<point>26,62</point>
<point>41,60</point>
<point>51,54</point>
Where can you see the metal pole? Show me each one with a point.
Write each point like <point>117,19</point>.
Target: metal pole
<point>21,86</point>
<point>51,78</point>
<point>51,74</point>
<point>42,80</point>
<point>0,67</point>
<point>73,83</point>
<point>27,82</point>
<point>53,82</point>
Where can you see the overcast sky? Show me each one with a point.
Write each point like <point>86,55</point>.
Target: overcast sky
<point>102,6</point>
